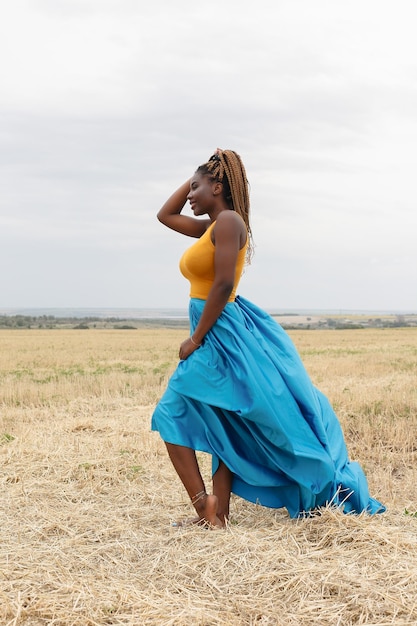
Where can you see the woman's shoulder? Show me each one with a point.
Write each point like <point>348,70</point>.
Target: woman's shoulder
<point>230,224</point>
<point>229,217</point>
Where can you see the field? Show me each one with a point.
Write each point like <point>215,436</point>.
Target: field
<point>88,494</point>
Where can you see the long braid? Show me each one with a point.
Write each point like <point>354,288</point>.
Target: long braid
<point>226,167</point>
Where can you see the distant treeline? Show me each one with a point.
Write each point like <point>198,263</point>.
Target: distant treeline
<point>50,321</point>
<point>44,321</point>
<point>355,322</point>
<point>85,323</point>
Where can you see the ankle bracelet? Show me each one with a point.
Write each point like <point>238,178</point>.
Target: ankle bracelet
<point>198,496</point>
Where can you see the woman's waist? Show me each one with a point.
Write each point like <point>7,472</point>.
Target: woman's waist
<point>203,293</point>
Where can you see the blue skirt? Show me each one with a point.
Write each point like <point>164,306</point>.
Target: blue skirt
<point>245,398</point>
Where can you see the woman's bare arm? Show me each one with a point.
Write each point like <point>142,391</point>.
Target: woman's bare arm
<point>170,214</point>
<point>229,230</point>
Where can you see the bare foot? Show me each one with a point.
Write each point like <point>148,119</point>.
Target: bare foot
<point>207,511</point>
<point>207,515</point>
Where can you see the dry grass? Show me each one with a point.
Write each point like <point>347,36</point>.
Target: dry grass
<point>88,493</point>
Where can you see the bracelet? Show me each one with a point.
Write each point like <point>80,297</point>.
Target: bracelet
<point>194,342</point>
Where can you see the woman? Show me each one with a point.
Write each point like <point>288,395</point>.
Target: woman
<point>240,391</point>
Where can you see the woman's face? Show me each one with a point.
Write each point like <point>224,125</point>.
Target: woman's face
<point>201,195</point>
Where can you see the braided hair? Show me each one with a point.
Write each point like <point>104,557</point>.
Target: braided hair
<point>226,167</point>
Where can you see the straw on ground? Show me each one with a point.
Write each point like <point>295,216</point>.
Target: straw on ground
<point>88,494</point>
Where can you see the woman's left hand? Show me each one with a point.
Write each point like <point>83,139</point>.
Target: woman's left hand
<point>186,348</point>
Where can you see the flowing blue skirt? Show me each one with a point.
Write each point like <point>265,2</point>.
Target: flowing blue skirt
<point>245,398</point>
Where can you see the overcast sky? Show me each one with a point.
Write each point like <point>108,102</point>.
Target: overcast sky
<point>107,106</point>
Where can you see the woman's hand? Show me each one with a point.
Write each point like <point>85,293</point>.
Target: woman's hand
<point>170,214</point>
<point>186,348</point>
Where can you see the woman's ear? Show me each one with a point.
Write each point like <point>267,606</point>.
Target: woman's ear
<point>217,188</point>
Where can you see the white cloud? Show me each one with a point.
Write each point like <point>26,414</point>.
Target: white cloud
<point>107,106</point>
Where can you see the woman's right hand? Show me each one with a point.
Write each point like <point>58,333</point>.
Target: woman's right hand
<point>186,348</point>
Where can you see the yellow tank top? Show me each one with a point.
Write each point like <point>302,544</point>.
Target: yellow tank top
<point>197,265</point>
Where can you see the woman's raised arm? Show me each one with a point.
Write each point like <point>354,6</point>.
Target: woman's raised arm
<point>170,214</point>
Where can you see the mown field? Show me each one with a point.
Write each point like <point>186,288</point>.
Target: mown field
<point>88,494</point>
